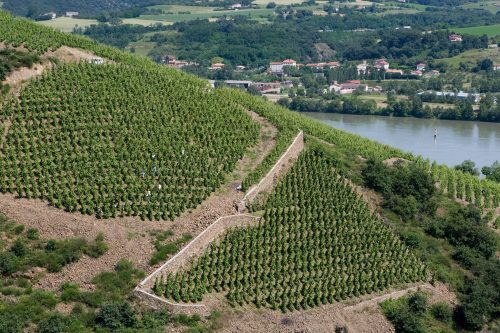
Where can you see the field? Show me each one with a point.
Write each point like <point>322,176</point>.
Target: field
<point>472,56</point>
<point>67,24</point>
<point>492,6</point>
<point>489,30</point>
<point>186,13</point>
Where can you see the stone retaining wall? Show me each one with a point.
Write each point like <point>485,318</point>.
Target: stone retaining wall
<point>278,170</point>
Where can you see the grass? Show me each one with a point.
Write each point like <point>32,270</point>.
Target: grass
<point>472,56</point>
<point>492,6</point>
<point>179,13</point>
<point>489,30</point>
<point>66,24</point>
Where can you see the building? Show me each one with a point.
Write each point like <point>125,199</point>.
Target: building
<point>96,61</point>
<point>177,63</point>
<point>455,38</point>
<point>476,98</point>
<point>493,46</point>
<point>240,68</point>
<point>421,67</point>
<point>238,83</point>
<point>432,73</point>
<point>277,67</point>
<point>50,15</point>
<point>216,66</point>
<point>362,68</point>
<point>417,73</point>
<point>496,67</point>
<point>268,87</point>
<point>72,14</point>
<point>332,64</point>
<point>348,87</point>
<point>236,6</point>
<point>381,64</point>
<point>394,71</point>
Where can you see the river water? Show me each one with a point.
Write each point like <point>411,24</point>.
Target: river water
<point>456,140</point>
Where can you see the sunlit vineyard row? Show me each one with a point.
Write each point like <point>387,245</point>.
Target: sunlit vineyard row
<point>482,192</point>
<point>317,243</point>
<point>116,140</point>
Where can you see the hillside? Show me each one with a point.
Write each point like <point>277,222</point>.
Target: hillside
<point>90,147</point>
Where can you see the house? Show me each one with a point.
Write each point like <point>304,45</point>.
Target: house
<point>417,73</point>
<point>362,68</point>
<point>332,64</point>
<point>96,61</point>
<point>394,71</point>
<point>240,68</point>
<point>216,66</point>
<point>421,67</point>
<point>348,87</point>
<point>238,83</point>
<point>268,87</point>
<point>496,67</point>
<point>432,73</point>
<point>381,64</point>
<point>50,15</point>
<point>72,14</point>
<point>493,46</point>
<point>236,6</point>
<point>374,89</point>
<point>172,62</point>
<point>277,67</point>
<point>455,38</point>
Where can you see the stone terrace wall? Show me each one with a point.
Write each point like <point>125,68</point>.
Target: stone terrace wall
<point>279,169</point>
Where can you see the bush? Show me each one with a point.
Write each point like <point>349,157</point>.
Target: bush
<point>115,316</point>
<point>417,303</point>
<point>411,239</point>
<point>32,234</point>
<point>442,312</point>
<point>8,263</point>
<point>19,248</point>
<point>55,323</point>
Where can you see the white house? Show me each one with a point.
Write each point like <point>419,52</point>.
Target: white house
<point>72,14</point>
<point>51,15</point>
<point>277,67</point>
<point>455,38</point>
<point>496,67</point>
<point>216,66</point>
<point>421,67</point>
<point>381,64</point>
<point>362,68</point>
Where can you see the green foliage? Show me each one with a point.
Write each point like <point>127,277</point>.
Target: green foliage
<point>313,226</point>
<point>468,166</point>
<point>11,60</point>
<point>442,312</point>
<point>407,188</point>
<point>115,316</point>
<point>165,250</point>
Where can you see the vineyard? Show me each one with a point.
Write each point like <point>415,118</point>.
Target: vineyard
<point>116,140</point>
<point>316,244</point>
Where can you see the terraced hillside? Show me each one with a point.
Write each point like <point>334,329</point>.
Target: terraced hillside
<point>316,244</point>
<point>115,140</point>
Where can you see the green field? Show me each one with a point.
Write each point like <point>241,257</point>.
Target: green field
<point>67,24</point>
<point>472,56</point>
<point>179,13</point>
<point>492,6</point>
<point>489,30</point>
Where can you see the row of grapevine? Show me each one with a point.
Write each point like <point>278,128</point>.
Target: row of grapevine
<point>119,140</point>
<point>463,186</point>
<point>481,192</point>
<point>317,243</point>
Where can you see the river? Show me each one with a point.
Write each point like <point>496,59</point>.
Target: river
<point>456,140</point>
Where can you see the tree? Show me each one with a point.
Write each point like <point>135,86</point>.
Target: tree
<point>116,315</point>
<point>492,172</point>
<point>271,5</point>
<point>468,166</point>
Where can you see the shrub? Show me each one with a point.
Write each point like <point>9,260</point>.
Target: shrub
<point>19,248</point>
<point>442,312</point>
<point>115,316</point>
<point>417,303</point>
<point>8,263</point>
<point>32,234</point>
<point>55,323</point>
<point>411,239</point>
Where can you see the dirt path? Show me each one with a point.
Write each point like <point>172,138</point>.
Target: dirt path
<point>362,316</point>
<point>130,237</point>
